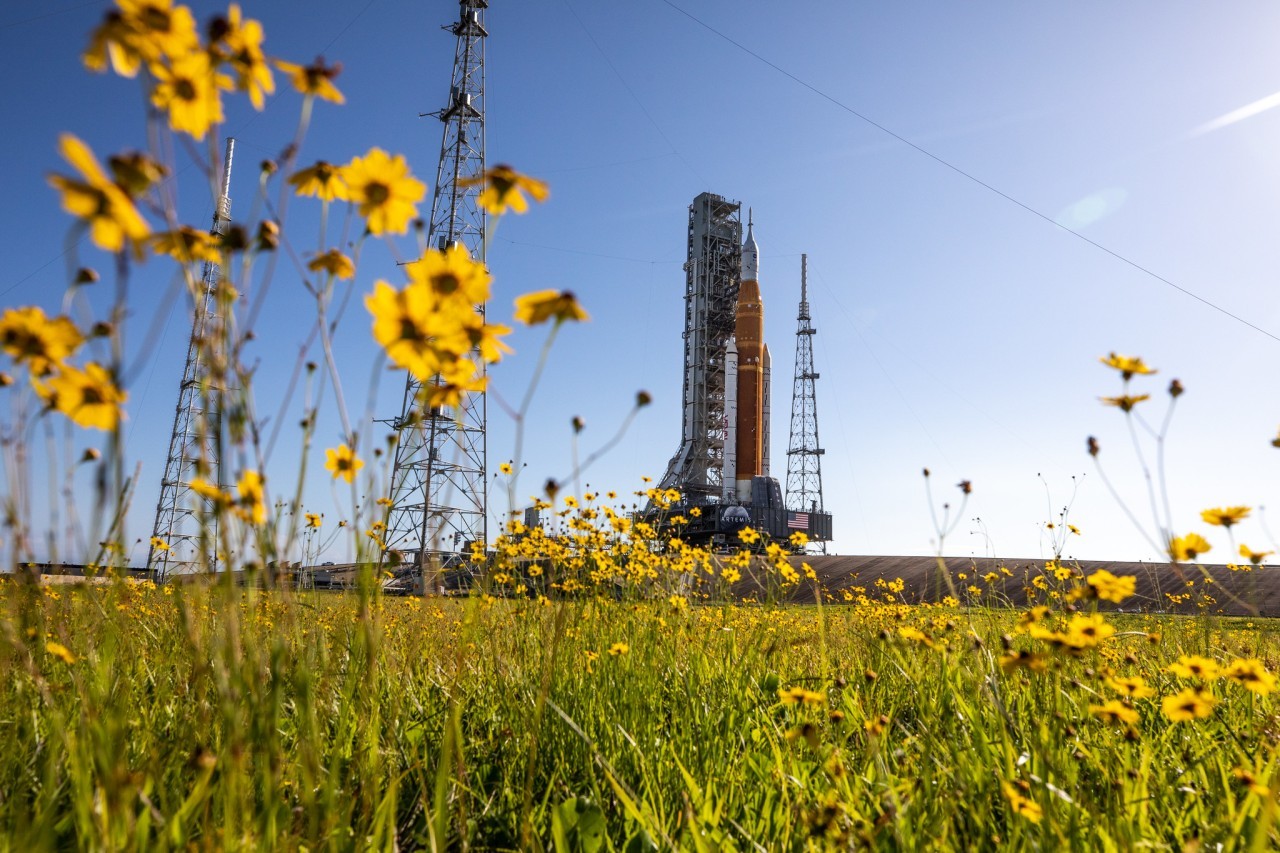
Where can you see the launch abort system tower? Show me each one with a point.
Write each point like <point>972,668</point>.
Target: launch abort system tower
<point>722,466</point>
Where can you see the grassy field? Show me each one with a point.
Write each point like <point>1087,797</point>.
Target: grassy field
<point>141,717</point>
<point>607,686</point>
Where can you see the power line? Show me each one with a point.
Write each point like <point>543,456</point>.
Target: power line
<point>589,254</point>
<point>610,165</point>
<point>54,13</point>
<point>940,161</point>
<point>631,91</point>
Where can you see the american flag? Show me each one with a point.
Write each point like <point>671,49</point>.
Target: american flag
<point>797,521</point>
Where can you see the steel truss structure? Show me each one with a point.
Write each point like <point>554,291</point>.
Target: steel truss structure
<point>712,277</point>
<point>185,536</point>
<point>439,501</point>
<point>804,453</point>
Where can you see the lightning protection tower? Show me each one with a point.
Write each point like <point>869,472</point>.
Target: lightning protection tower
<point>184,538</point>
<point>438,483</point>
<point>804,454</point>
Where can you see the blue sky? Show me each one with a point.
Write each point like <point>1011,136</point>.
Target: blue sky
<point>957,330</point>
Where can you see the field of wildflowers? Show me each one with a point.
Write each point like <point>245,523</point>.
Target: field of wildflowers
<point>611,687</point>
<point>141,717</point>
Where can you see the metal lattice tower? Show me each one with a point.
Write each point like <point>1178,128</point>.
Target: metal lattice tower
<point>804,454</point>
<point>186,521</point>
<point>711,295</point>
<point>438,495</point>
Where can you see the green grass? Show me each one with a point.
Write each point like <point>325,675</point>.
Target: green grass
<point>233,719</point>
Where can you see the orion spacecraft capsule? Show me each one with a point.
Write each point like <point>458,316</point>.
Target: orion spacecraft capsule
<point>751,425</point>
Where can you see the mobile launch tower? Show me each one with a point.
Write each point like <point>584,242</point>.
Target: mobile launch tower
<point>722,465</point>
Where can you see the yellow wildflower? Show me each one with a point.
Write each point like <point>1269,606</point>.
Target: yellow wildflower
<point>28,336</point>
<point>1225,516</point>
<point>799,539</point>
<point>342,462</point>
<point>1022,805</point>
<point>313,519</point>
<point>1190,704</point>
<point>453,382</point>
<point>504,190</point>
<point>1125,402</point>
<point>909,633</point>
<point>188,245</point>
<point>1032,616</point>
<point>800,696</point>
<point>749,535</point>
<point>543,305</point>
<point>321,180</point>
<point>1255,557</point>
<point>1194,666</point>
<point>1252,674</point>
<point>1114,711</point>
<point>1023,660</point>
<point>1250,781</point>
<point>315,80</point>
<point>505,468</point>
<point>141,31</point>
<point>111,216</point>
<point>1127,365</point>
<point>334,263</point>
<point>188,90</point>
<point>1086,631</point>
<point>60,651</point>
<point>207,490</point>
<point>1184,548</point>
<point>89,397</point>
<point>384,190</point>
<point>451,274</point>
<point>1134,688</point>
<point>619,649</point>
<point>1108,587</point>
<point>135,173</point>
<point>252,505</point>
<point>238,41</point>
<point>406,323</point>
<point>473,335</point>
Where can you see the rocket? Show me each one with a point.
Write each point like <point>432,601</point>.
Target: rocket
<point>750,423</point>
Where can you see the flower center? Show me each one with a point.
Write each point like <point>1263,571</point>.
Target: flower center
<point>184,89</point>
<point>409,330</point>
<point>157,19</point>
<point>445,283</point>
<point>377,193</point>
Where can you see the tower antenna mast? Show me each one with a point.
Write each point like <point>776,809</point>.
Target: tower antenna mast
<point>804,453</point>
<point>185,536</point>
<point>439,499</point>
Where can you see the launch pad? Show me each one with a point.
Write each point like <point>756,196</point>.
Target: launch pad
<point>722,465</point>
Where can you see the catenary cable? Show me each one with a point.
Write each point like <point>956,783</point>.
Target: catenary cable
<point>959,171</point>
